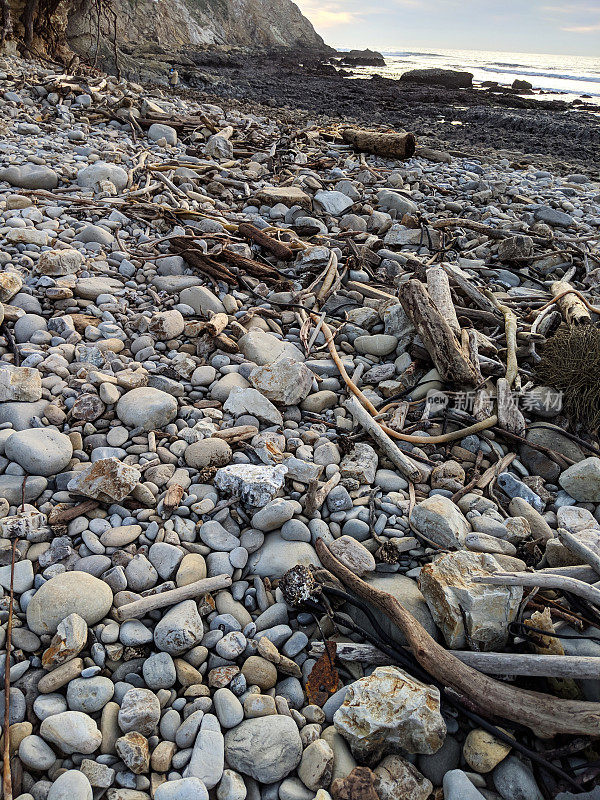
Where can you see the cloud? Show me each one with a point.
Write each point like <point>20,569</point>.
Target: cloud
<point>329,14</point>
<point>583,28</point>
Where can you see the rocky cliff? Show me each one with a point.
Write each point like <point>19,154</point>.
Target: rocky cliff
<point>251,23</point>
<point>169,25</point>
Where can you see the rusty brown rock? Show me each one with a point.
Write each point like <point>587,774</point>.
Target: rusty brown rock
<point>358,785</point>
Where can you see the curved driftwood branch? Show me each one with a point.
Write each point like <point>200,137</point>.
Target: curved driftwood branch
<point>544,714</point>
<point>572,585</point>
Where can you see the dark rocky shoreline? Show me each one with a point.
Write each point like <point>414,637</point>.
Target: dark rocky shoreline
<point>546,133</point>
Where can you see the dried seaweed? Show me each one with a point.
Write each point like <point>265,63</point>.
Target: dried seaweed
<point>571,362</point>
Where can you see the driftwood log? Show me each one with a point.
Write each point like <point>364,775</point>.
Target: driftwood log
<point>447,354</point>
<point>438,288</point>
<point>588,551</point>
<point>387,145</point>
<point>545,715</point>
<point>543,666</point>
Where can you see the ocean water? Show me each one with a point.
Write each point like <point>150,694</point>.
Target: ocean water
<point>566,77</point>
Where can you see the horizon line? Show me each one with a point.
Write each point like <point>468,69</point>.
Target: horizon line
<point>383,50</point>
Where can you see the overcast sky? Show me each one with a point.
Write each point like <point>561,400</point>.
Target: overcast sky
<point>526,26</point>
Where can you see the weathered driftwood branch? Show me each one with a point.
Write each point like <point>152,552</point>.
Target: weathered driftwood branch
<point>576,667</point>
<point>542,582</point>
<point>451,361</point>
<point>571,307</point>
<point>61,515</point>
<point>461,279</point>
<point>545,715</point>
<point>450,436</point>
<point>409,468</point>
<point>582,549</point>
<point>438,288</point>
<point>509,416</point>
<point>580,571</point>
<point>279,249</point>
<point>138,608</point>
<point>387,145</point>
<point>316,495</point>
<point>6,772</point>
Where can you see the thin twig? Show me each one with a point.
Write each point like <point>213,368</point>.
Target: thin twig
<point>6,775</point>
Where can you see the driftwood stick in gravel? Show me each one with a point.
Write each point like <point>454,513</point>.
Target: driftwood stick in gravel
<point>544,581</point>
<point>571,307</point>
<point>582,549</point>
<point>61,515</point>
<point>544,714</point>
<point>138,608</point>
<point>438,288</point>
<point>217,324</point>
<point>6,772</point>
<point>316,495</point>
<point>388,145</point>
<point>463,282</point>
<point>437,335</point>
<point>509,416</point>
<point>279,249</point>
<point>237,434</point>
<point>409,468</point>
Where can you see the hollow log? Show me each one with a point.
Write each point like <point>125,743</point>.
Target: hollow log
<point>387,145</point>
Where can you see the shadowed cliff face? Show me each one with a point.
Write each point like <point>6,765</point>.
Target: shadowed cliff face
<point>184,23</point>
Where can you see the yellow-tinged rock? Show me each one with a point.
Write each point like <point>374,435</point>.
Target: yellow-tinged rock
<point>483,752</point>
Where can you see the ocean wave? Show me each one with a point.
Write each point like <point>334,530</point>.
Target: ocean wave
<point>400,53</point>
<point>537,74</point>
<point>501,64</point>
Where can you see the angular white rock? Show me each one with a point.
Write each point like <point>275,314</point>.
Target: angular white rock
<point>59,262</point>
<point>107,479</point>
<point>390,709</point>
<point>453,599</point>
<point>285,381</point>
<point>440,520</point>
<point>254,484</point>
<point>23,384</point>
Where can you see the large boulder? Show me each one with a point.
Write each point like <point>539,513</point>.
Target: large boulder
<point>450,78</point>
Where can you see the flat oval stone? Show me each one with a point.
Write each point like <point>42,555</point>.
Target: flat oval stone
<point>146,408</point>
<point>40,451</point>
<point>68,593</point>
<point>379,344</point>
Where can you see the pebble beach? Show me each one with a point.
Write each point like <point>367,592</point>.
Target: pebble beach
<point>210,374</point>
